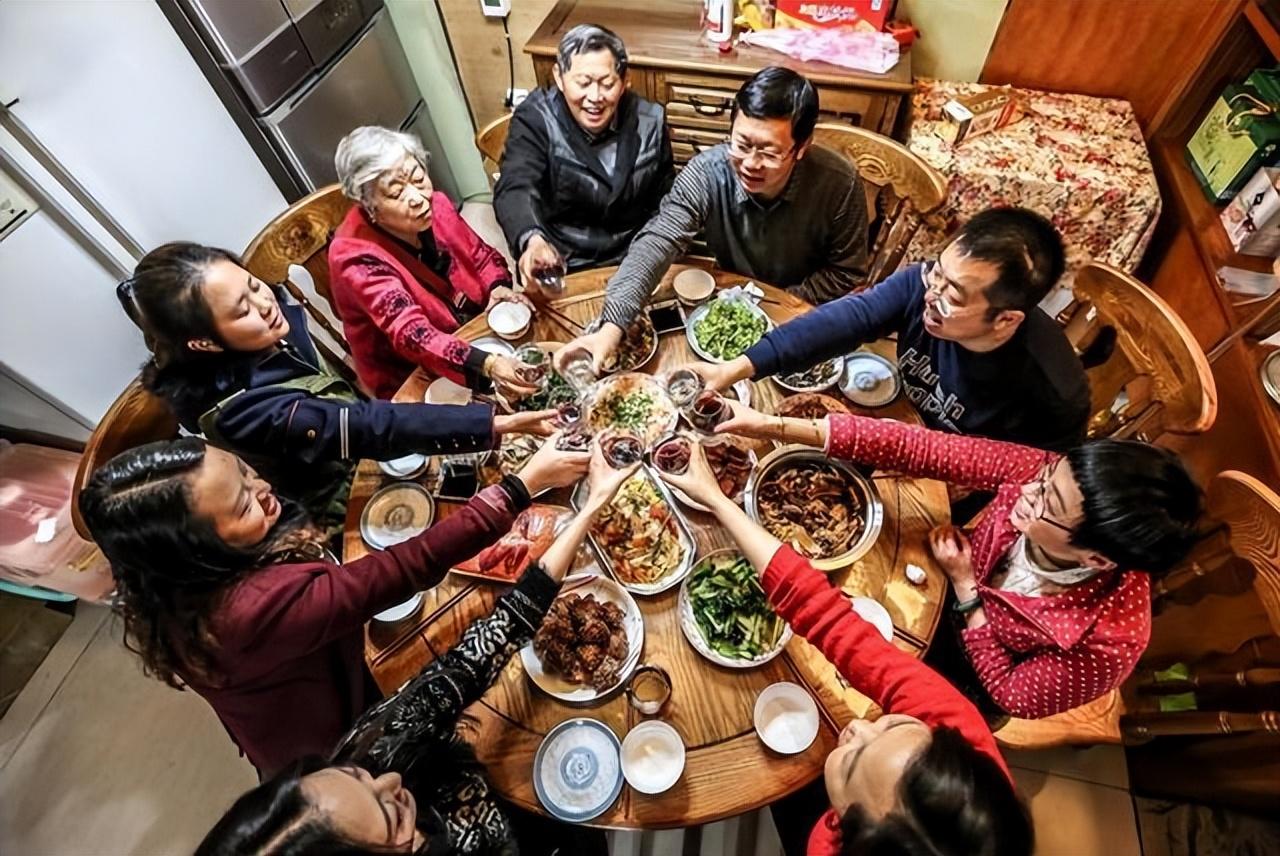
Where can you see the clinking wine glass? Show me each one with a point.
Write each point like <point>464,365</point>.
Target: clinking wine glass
<point>550,278</point>
<point>683,386</point>
<point>621,448</point>
<point>672,454</point>
<point>533,365</point>
<point>708,410</point>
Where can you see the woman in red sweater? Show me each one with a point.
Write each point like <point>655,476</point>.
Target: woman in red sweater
<point>227,589</point>
<point>406,271</point>
<point>1055,611</point>
<point>924,778</point>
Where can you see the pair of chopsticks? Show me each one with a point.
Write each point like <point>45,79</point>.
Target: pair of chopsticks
<point>564,321</point>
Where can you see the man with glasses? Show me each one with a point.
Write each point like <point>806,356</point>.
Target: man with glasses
<point>771,207</point>
<point>977,354</point>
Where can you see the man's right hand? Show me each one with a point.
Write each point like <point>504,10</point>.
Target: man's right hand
<point>721,376</point>
<point>600,345</point>
<point>538,255</point>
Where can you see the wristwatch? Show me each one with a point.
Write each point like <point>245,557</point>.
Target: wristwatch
<point>964,607</point>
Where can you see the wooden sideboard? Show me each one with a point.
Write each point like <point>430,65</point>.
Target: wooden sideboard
<point>672,65</point>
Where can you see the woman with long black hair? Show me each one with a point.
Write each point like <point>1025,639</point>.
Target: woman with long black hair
<point>234,360</point>
<point>227,589</point>
<point>403,781</point>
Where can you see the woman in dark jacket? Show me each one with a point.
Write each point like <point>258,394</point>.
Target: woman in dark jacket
<point>227,589</point>
<point>234,360</point>
<point>403,781</point>
<point>586,161</point>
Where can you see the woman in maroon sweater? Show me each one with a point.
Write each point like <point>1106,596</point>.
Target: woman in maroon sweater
<point>227,589</point>
<point>925,777</point>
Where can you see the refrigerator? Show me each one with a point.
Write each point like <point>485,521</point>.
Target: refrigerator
<point>298,75</point>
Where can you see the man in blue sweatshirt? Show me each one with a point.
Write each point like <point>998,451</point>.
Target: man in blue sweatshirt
<point>977,355</point>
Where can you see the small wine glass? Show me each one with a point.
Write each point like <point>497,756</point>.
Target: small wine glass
<point>534,365</point>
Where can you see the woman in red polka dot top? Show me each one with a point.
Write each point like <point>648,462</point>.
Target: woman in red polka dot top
<point>1054,580</point>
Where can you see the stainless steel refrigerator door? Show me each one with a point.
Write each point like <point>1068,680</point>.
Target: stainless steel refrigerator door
<point>257,44</point>
<point>371,84</point>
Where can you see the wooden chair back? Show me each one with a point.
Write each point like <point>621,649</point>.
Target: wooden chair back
<point>901,188</point>
<point>1218,616</point>
<point>136,417</point>
<point>1155,378</point>
<point>491,140</point>
<point>300,236</point>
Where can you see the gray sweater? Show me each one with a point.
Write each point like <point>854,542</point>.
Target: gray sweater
<point>812,239</point>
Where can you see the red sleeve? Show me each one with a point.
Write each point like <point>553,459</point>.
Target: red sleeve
<point>1054,680</point>
<point>896,681</point>
<point>389,304</point>
<point>489,265</point>
<point>284,611</point>
<point>925,453</point>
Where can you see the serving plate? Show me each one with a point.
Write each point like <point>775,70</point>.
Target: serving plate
<point>682,532</point>
<point>577,770</point>
<point>693,633</point>
<point>389,518</point>
<point>604,589</point>
<point>826,382</point>
<point>870,380</point>
<point>615,367</point>
<point>663,416</point>
<point>872,507</point>
<point>698,314</point>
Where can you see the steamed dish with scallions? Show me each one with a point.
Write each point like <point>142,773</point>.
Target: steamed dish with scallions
<point>731,610</point>
<point>729,328</point>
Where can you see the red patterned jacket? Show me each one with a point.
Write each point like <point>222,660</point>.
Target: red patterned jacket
<point>396,312</point>
<point>1036,656</point>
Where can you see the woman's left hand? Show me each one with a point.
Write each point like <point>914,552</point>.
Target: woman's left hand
<point>504,372</point>
<point>540,423</point>
<point>951,548</point>
<point>506,294</point>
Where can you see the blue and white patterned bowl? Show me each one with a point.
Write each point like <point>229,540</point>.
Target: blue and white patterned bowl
<point>577,771</point>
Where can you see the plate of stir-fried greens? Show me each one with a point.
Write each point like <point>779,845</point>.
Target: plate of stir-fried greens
<point>725,615</point>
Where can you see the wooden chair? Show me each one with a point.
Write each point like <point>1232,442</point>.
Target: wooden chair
<point>491,140</point>
<point>1219,612</point>
<point>901,188</point>
<point>135,418</point>
<point>1153,376</point>
<point>300,236</point>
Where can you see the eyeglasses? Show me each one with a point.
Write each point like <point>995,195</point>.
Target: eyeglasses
<point>936,281</point>
<point>742,151</point>
<point>1039,500</point>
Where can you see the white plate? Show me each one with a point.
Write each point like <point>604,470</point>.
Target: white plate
<point>879,374</point>
<point>395,514</point>
<point>400,611</point>
<point>697,314</point>
<point>493,345</point>
<point>444,391</point>
<point>786,718</point>
<point>577,771</point>
<point>692,632</point>
<point>873,612</point>
<point>410,466</point>
<point>652,757</point>
<point>830,380</point>
<point>632,621</point>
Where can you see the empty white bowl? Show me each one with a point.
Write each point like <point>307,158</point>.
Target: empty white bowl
<point>509,319</point>
<point>786,718</point>
<point>693,286</point>
<point>652,757</point>
<point>874,612</point>
<point>444,391</point>
<point>400,611</point>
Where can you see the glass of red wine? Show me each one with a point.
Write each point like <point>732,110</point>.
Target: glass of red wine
<point>621,448</point>
<point>708,410</point>
<point>672,454</point>
<point>533,365</point>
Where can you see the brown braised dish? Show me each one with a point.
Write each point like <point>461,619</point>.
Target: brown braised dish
<point>812,506</point>
<point>583,640</point>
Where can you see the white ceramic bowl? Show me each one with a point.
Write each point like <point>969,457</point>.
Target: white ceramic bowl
<point>444,391</point>
<point>652,757</point>
<point>694,286</point>
<point>509,319</point>
<point>400,611</point>
<point>404,468</point>
<point>786,718</point>
<point>873,612</point>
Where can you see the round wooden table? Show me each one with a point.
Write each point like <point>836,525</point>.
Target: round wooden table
<point>728,771</point>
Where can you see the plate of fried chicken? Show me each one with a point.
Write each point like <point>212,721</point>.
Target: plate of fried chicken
<point>589,643</point>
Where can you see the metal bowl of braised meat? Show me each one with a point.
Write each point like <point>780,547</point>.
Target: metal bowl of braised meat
<point>824,508</point>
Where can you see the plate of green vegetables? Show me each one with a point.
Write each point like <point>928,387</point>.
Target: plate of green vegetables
<point>725,615</point>
<point>724,328</point>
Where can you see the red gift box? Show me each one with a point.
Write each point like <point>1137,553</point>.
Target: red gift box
<point>807,14</point>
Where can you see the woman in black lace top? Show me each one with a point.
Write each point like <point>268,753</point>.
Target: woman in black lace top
<point>402,780</point>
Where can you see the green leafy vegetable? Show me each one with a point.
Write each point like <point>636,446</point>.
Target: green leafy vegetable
<point>631,410</point>
<point>557,392</point>
<point>731,609</point>
<point>729,328</point>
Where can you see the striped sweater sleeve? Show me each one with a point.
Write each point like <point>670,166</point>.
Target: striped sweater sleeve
<point>662,240</point>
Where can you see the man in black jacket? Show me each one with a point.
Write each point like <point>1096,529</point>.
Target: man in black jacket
<point>586,162</point>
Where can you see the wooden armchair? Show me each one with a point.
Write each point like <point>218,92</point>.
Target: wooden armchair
<point>900,186</point>
<point>1151,377</point>
<point>491,140</point>
<point>1218,613</point>
<point>300,236</point>
<point>135,418</point>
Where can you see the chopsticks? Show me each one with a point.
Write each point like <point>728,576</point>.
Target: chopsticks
<point>564,320</point>
<point>576,299</point>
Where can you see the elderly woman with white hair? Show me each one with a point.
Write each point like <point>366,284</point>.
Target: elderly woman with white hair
<point>407,271</point>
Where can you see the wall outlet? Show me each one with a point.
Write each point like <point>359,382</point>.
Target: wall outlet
<point>515,96</point>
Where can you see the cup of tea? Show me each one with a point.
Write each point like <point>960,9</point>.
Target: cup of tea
<point>683,386</point>
<point>533,365</point>
<point>708,410</point>
<point>621,448</point>
<point>672,453</point>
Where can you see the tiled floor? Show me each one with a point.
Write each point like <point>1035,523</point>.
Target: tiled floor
<point>97,759</point>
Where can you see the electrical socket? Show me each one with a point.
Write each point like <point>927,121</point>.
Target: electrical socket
<point>515,96</point>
